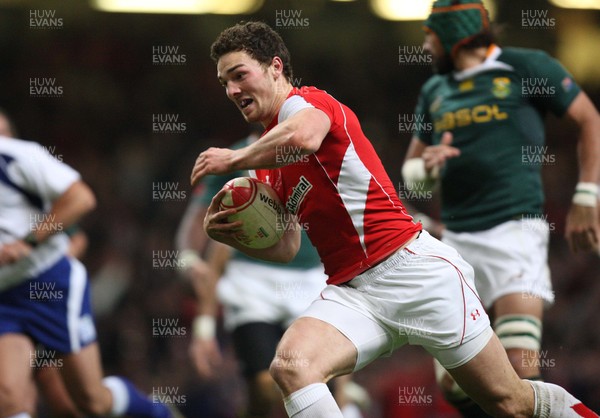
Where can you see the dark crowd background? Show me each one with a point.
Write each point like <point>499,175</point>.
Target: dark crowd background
<point>101,123</point>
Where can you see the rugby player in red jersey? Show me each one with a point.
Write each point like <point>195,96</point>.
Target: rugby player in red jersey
<point>390,283</point>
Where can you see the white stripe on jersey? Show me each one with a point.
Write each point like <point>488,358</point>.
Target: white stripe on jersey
<point>291,106</point>
<point>354,177</point>
<point>353,187</point>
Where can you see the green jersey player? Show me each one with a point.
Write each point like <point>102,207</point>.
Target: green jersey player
<point>485,108</point>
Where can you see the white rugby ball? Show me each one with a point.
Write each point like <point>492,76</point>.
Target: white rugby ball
<point>258,207</point>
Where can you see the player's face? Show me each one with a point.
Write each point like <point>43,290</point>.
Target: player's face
<point>441,61</point>
<point>250,85</point>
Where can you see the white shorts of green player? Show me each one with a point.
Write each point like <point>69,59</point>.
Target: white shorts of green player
<point>253,292</point>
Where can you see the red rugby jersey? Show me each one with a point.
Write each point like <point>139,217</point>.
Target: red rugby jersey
<point>341,194</point>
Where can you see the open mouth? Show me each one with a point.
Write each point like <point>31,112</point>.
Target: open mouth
<point>244,103</point>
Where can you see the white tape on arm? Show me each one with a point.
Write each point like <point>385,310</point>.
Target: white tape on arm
<point>204,327</point>
<point>586,194</point>
<point>413,170</point>
<point>187,258</point>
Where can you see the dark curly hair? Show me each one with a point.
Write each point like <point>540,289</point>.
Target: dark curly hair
<point>257,39</point>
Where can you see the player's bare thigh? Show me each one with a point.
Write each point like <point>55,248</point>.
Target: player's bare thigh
<point>490,380</point>
<point>311,351</point>
<point>16,351</point>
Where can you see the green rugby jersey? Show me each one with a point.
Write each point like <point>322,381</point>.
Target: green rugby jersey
<point>495,112</point>
<point>307,256</point>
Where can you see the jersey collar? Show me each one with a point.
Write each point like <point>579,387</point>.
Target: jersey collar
<point>490,63</point>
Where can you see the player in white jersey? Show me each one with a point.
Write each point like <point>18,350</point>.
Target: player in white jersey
<point>58,401</point>
<point>44,293</point>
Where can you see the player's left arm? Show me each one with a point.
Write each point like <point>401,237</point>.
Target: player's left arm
<point>582,228</point>
<point>66,210</point>
<point>300,134</point>
<point>220,229</point>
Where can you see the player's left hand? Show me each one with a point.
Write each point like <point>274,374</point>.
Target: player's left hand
<point>13,252</point>
<point>582,230</point>
<point>212,161</point>
<point>216,224</point>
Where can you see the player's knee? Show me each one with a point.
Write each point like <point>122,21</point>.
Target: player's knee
<point>291,374</point>
<point>282,375</point>
<point>521,337</point>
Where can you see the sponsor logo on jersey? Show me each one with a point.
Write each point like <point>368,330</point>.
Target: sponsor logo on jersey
<point>501,87</point>
<point>466,85</point>
<point>467,116</point>
<point>299,192</point>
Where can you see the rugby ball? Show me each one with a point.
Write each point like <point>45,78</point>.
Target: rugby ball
<point>258,207</point>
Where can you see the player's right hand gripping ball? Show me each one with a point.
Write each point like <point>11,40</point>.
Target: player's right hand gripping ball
<point>258,207</point>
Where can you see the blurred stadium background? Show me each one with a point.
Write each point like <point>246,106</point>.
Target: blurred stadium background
<point>130,99</point>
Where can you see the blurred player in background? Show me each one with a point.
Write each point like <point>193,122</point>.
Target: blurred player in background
<point>487,148</point>
<point>44,294</point>
<point>58,401</point>
<point>389,282</point>
<point>260,300</point>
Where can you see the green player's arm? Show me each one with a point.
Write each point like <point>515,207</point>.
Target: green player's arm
<point>582,229</point>
<point>204,260</point>
<point>583,112</point>
<point>415,148</point>
<point>220,229</point>
<point>433,156</point>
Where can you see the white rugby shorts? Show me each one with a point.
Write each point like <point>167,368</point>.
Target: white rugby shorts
<point>510,258</point>
<point>252,292</point>
<point>423,295</point>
